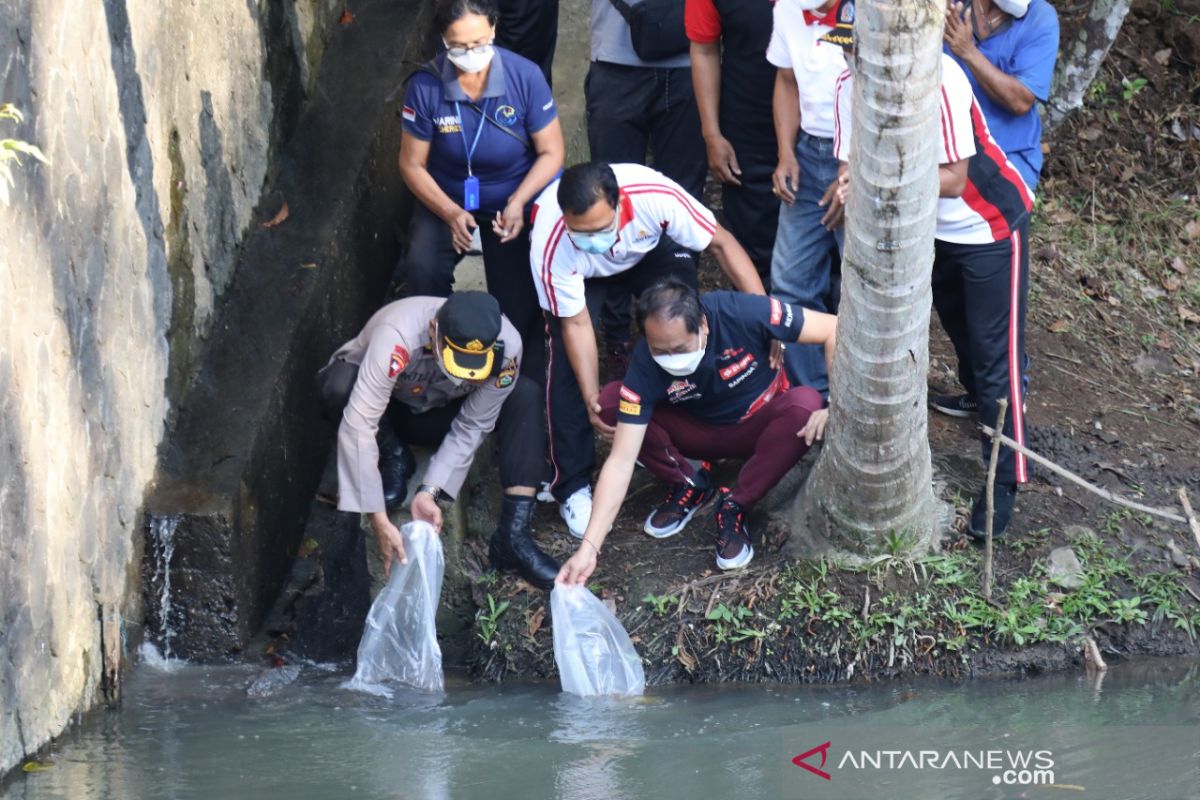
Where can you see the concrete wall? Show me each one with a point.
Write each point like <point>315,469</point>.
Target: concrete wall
<point>159,118</point>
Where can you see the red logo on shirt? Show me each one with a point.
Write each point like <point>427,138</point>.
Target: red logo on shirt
<point>399,361</point>
<point>630,395</point>
<point>776,311</point>
<point>736,367</point>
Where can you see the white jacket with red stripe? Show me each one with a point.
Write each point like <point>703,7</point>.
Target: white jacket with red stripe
<point>996,198</point>
<point>650,205</point>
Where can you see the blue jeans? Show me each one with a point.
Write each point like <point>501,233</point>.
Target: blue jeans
<point>803,260</point>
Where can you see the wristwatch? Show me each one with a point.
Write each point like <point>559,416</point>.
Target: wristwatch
<point>437,494</point>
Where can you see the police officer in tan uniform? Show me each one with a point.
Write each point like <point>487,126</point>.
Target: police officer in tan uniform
<point>441,373</point>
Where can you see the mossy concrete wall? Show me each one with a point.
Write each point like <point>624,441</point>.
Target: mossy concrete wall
<point>159,118</point>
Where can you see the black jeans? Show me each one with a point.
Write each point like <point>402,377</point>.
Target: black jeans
<point>572,445</point>
<point>520,434</point>
<point>429,270</point>
<point>979,291</point>
<point>633,112</point>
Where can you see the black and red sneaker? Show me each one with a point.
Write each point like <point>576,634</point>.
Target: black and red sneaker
<point>733,536</point>
<point>681,504</point>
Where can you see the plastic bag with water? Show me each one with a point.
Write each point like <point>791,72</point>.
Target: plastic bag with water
<point>592,650</point>
<point>399,643</point>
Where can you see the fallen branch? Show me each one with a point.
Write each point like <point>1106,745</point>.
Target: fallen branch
<point>990,496</point>
<point>1193,523</point>
<point>1071,476</point>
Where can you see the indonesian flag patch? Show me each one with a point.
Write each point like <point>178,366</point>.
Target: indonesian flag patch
<point>399,361</point>
<point>409,113</point>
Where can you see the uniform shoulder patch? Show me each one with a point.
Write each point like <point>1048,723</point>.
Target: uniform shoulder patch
<point>398,361</point>
<point>630,395</point>
<point>632,409</point>
<point>507,375</point>
<point>776,311</point>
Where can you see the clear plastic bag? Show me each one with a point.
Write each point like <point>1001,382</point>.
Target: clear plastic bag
<point>592,649</point>
<point>399,643</point>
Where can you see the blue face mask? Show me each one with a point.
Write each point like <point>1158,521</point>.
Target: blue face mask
<point>597,242</point>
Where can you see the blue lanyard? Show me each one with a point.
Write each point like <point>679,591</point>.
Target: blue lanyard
<point>462,131</point>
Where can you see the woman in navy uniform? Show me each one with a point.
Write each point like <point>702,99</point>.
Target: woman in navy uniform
<point>481,140</point>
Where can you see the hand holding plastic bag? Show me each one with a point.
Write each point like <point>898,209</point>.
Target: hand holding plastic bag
<point>592,649</point>
<point>399,643</point>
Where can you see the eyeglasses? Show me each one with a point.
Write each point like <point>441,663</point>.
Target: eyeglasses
<point>458,51</point>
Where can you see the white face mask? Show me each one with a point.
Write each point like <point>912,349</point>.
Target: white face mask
<point>681,364</point>
<point>474,59</point>
<point>1015,7</point>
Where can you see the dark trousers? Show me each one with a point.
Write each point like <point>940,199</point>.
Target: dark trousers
<point>529,28</point>
<point>429,270</point>
<point>520,434</point>
<point>767,441</point>
<point>572,446</point>
<point>979,291</point>
<point>751,211</point>
<point>635,112</point>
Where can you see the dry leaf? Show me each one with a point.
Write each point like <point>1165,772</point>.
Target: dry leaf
<point>1059,326</point>
<point>346,18</point>
<point>681,652</point>
<point>1172,283</point>
<point>535,621</point>
<point>1178,265</point>
<point>1163,56</point>
<point>1187,315</point>
<point>278,219</point>
<point>1091,133</point>
<point>1192,229</point>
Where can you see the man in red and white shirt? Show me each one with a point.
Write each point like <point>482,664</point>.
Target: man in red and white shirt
<point>980,269</point>
<point>624,226</point>
<point>808,239</point>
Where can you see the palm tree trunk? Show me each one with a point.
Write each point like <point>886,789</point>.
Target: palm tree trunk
<point>873,477</point>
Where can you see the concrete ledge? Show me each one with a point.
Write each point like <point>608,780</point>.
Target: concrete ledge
<point>248,448</point>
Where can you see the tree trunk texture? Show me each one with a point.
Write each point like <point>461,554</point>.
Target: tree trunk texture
<point>873,476</point>
<point>1081,59</point>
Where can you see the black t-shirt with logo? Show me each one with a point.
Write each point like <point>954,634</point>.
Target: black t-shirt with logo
<point>734,379</point>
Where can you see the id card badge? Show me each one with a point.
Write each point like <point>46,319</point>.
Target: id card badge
<point>471,193</point>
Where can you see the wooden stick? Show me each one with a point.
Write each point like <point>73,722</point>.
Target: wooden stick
<point>1193,523</point>
<point>1071,476</point>
<point>990,495</point>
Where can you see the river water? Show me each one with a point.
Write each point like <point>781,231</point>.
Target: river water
<point>193,732</point>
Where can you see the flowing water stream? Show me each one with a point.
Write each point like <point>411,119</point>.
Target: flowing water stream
<point>192,732</point>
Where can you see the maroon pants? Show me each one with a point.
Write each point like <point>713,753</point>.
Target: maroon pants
<point>767,440</point>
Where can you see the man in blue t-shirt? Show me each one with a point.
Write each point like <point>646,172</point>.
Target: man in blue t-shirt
<point>701,386</point>
<point>1008,49</point>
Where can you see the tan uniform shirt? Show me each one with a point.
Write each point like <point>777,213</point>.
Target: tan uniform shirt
<point>396,363</point>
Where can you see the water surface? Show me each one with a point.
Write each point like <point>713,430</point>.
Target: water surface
<point>194,733</point>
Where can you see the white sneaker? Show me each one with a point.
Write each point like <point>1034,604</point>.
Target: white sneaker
<point>576,510</point>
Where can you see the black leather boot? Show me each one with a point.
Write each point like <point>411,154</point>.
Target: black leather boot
<point>512,547</point>
<point>396,465</point>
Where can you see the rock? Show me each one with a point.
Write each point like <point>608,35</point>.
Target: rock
<point>1065,569</point>
<point>272,680</point>
<point>1078,533</point>
<point>1176,556</point>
